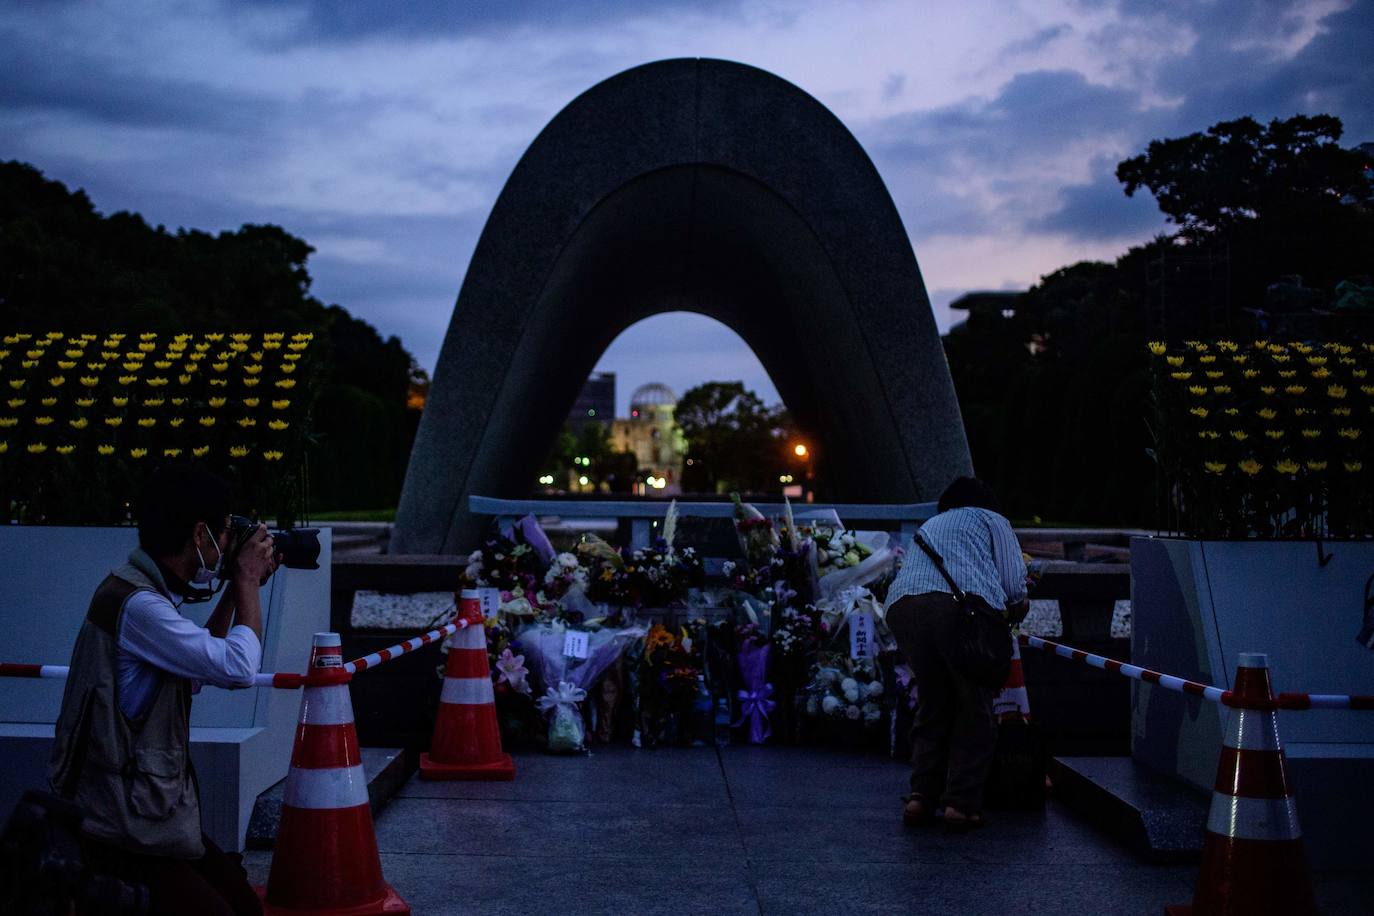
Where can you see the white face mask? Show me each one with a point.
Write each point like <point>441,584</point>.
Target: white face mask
<point>204,576</point>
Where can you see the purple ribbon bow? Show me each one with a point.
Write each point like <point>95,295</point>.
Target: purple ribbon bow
<point>755,706</point>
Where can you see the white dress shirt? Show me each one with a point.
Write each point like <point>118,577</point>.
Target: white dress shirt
<point>155,638</point>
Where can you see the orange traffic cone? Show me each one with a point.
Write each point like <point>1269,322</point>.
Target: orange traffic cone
<point>467,737</point>
<point>1252,855</point>
<point>325,859</point>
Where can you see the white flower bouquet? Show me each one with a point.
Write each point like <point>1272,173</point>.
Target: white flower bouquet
<point>845,689</point>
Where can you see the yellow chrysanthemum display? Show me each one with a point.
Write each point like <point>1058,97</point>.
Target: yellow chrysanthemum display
<point>1305,425</point>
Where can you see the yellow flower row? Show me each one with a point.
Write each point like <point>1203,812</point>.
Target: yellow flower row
<point>1320,375</point>
<point>1337,392</point>
<point>113,338</point>
<point>1251,467</point>
<point>200,451</point>
<point>1160,348</point>
<point>144,422</point>
<point>1352,433</point>
<point>123,401</point>
<point>57,381</point>
<point>1266,413</point>
<point>119,400</point>
<point>135,359</point>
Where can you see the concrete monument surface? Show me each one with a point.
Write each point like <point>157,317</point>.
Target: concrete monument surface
<point>704,186</point>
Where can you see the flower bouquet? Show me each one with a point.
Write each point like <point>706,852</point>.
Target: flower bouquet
<point>845,696</point>
<point>796,639</point>
<point>757,538</point>
<point>506,562</point>
<point>544,644</point>
<point>666,682</point>
<point>845,558</point>
<point>565,574</point>
<point>756,701</point>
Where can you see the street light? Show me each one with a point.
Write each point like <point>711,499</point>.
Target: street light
<point>800,450</point>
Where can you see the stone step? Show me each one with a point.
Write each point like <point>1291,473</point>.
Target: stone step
<point>1159,818</point>
<point>386,772</point>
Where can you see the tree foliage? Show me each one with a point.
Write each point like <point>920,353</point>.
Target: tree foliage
<point>1055,396</point>
<point>65,266</point>
<point>734,441</point>
<point>1240,171</point>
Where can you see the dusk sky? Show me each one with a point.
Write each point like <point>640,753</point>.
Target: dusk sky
<point>382,133</point>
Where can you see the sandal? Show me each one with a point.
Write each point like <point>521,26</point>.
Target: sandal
<point>956,821</point>
<point>917,811</point>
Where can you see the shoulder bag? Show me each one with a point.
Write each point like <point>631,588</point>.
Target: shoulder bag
<point>984,639</point>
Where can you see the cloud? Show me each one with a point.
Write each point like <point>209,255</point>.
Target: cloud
<point>334,20</point>
<point>1101,211</point>
<point>107,92</point>
<point>986,164</point>
<point>382,134</point>
<point>1038,41</point>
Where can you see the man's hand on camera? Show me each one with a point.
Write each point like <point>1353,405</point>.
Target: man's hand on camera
<point>255,563</point>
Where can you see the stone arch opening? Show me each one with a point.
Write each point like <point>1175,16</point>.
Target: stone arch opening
<point>688,185</point>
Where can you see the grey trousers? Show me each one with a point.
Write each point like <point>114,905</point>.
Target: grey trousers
<point>955,732</point>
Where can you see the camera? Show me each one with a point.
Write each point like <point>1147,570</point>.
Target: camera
<point>295,548</point>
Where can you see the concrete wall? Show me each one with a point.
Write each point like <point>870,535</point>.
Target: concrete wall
<point>241,739</point>
<point>702,185</point>
<point>1198,604</point>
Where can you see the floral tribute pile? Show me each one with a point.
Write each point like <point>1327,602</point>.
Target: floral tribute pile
<point>602,644</point>
<point>102,408</point>
<point>1266,438</point>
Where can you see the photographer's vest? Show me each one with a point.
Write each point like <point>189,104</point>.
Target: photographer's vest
<point>132,775</point>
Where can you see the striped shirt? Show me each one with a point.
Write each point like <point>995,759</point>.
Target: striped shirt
<point>980,552</point>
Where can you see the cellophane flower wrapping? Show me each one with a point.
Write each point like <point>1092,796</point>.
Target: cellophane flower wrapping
<point>665,682</point>
<point>755,693</point>
<point>796,638</point>
<point>845,688</point>
<point>542,644</point>
<point>566,732</point>
<point>850,559</point>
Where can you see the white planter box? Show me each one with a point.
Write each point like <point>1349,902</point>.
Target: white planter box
<point>240,739</point>
<point>1198,604</point>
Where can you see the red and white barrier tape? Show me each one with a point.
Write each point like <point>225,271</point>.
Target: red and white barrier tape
<point>283,680</point>
<point>1293,701</point>
<point>14,669</point>
<point>401,648</point>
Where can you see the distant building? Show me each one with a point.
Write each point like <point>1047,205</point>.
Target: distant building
<point>651,434</point>
<point>988,302</point>
<point>596,403</point>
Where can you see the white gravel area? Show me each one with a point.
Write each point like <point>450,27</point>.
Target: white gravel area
<point>1043,619</point>
<point>392,611</point>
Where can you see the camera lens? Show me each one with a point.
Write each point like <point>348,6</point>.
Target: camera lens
<point>299,548</point>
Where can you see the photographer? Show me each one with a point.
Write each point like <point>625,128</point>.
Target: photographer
<point>122,748</point>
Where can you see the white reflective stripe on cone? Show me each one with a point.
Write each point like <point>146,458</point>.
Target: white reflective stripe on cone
<point>1253,818</point>
<point>470,637</point>
<point>336,787</point>
<point>1252,730</point>
<point>326,706</point>
<point>470,691</point>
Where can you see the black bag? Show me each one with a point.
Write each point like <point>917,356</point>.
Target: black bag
<point>984,637</point>
<point>1017,776</point>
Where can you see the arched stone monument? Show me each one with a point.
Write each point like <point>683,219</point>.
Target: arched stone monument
<point>704,186</point>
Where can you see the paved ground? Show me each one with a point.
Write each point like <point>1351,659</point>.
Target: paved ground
<point>749,830</point>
